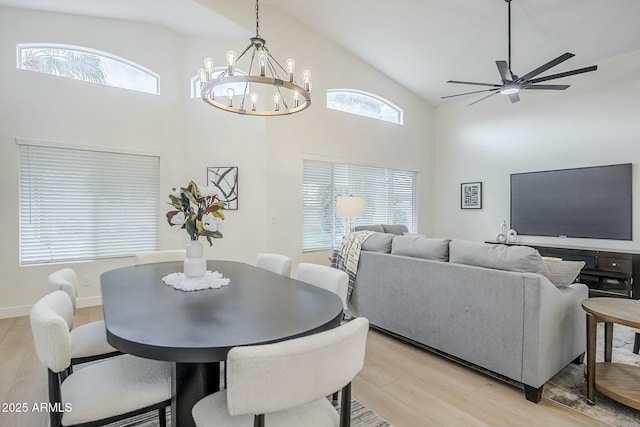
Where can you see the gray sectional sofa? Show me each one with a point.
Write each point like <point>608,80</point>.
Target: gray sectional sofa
<point>492,306</point>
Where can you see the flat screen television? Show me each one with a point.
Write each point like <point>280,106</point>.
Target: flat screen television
<point>591,202</point>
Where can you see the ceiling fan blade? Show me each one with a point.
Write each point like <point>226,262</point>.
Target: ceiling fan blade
<point>473,83</point>
<point>468,93</point>
<point>514,97</point>
<point>546,66</point>
<point>565,74</point>
<point>505,72</point>
<point>547,87</point>
<point>483,98</point>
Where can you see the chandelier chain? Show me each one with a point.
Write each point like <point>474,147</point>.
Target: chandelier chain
<point>257,19</point>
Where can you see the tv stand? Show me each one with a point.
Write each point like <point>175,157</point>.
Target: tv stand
<point>607,273</point>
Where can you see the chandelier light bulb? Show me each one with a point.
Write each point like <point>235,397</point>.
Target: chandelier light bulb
<point>276,101</point>
<point>202,76</point>
<point>296,99</point>
<point>230,93</point>
<point>306,80</point>
<point>291,66</point>
<point>231,60</point>
<point>254,98</point>
<point>208,69</point>
<point>262,59</point>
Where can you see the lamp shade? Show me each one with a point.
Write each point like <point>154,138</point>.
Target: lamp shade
<point>350,206</point>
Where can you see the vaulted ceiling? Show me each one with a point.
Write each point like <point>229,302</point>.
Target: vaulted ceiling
<point>419,43</point>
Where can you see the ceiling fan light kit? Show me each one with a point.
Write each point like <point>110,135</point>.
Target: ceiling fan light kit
<point>511,84</point>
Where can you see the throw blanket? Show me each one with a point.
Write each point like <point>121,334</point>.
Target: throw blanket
<point>347,257</point>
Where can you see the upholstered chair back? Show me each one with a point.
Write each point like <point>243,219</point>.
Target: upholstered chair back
<point>65,280</point>
<point>276,263</point>
<point>329,278</point>
<point>274,377</point>
<point>49,326</point>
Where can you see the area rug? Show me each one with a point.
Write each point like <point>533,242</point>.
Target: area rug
<point>569,386</point>
<point>361,416</point>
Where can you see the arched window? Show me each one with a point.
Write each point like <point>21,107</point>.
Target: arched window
<point>364,104</point>
<point>88,65</point>
<point>238,88</point>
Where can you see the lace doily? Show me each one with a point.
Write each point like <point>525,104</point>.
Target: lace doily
<point>213,280</point>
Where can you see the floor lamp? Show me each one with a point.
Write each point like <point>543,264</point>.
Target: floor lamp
<point>350,207</point>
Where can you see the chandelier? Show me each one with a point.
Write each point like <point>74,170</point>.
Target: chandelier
<point>260,92</point>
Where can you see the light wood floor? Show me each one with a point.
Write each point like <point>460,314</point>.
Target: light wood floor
<point>407,386</point>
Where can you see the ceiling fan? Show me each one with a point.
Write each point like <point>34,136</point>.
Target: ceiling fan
<point>512,84</point>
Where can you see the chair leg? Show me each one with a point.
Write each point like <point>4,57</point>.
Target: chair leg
<point>636,343</point>
<point>258,420</point>
<point>162,417</point>
<point>224,379</point>
<point>345,406</point>
<point>55,397</point>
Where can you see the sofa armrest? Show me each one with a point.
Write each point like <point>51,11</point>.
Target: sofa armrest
<point>555,328</point>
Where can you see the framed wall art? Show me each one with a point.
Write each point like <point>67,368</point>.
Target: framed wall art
<point>471,195</point>
<point>225,179</point>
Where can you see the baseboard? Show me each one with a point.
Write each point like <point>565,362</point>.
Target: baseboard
<point>89,302</point>
<point>17,311</point>
<point>25,310</point>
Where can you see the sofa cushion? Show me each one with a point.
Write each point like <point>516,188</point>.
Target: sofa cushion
<point>378,242</point>
<point>421,247</point>
<point>500,257</point>
<point>371,227</point>
<point>398,229</point>
<point>561,273</point>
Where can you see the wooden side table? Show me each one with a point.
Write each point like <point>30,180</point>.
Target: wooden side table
<point>620,382</point>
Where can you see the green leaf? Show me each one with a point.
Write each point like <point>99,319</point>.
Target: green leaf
<point>190,225</point>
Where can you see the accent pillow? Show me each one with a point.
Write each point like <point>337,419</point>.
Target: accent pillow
<point>379,242</point>
<point>373,227</point>
<point>561,273</point>
<point>398,229</point>
<point>501,257</point>
<point>421,247</point>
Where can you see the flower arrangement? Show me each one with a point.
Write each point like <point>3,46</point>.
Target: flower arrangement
<point>198,211</point>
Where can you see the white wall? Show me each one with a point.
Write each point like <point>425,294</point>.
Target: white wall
<point>191,136</point>
<point>37,106</point>
<point>594,122</point>
<point>328,134</point>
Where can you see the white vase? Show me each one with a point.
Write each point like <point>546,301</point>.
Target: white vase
<point>195,265</point>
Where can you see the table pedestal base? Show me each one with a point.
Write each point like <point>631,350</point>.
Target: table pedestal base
<point>190,383</point>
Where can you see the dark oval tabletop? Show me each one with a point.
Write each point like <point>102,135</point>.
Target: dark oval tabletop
<point>147,318</point>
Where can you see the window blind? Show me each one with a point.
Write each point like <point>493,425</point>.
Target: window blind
<point>390,199</point>
<point>79,204</point>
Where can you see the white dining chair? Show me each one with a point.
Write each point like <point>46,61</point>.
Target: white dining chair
<point>322,276</point>
<point>325,277</point>
<point>160,256</point>
<point>87,342</point>
<point>276,263</point>
<point>102,392</point>
<point>285,384</point>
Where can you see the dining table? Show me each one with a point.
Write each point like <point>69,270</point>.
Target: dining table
<point>196,329</point>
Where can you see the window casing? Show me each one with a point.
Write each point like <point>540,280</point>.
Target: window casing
<point>88,65</point>
<point>390,199</point>
<point>79,204</point>
<point>364,104</point>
